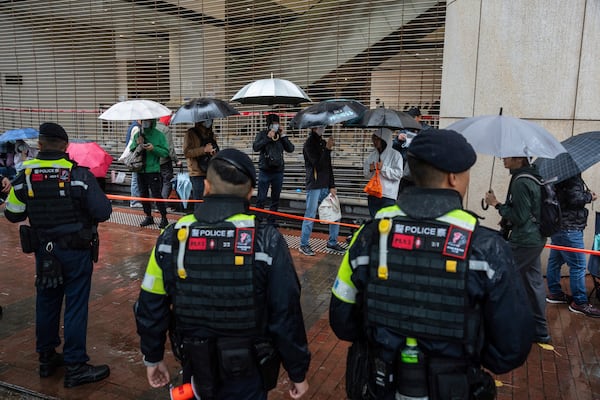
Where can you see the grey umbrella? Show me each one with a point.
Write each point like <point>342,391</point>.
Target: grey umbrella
<point>385,118</point>
<point>203,109</point>
<point>583,151</point>
<point>503,136</point>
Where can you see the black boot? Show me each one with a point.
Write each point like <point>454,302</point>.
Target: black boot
<point>163,222</point>
<point>49,362</point>
<point>80,374</point>
<point>147,221</point>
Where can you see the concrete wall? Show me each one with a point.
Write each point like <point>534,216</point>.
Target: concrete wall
<point>538,59</point>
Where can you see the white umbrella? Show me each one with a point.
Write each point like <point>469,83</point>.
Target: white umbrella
<point>271,91</point>
<point>504,136</point>
<point>135,110</point>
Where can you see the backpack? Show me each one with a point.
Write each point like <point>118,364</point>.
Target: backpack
<point>550,214</point>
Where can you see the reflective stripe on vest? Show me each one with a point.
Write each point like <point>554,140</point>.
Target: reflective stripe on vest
<point>424,292</point>
<point>218,291</point>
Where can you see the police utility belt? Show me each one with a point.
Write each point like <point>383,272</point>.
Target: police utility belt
<point>216,362</point>
<point>31,240</point>
<point>435,378</point>
<point>49,269</point>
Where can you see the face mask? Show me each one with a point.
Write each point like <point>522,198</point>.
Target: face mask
<point>320,130</point>
<point>146,124</point>
<point>207,123</point>
<point>275,127</point>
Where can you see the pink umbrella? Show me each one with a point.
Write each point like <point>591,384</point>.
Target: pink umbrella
<point>91,155</point>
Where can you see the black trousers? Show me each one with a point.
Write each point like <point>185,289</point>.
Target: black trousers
<point>150,183</point>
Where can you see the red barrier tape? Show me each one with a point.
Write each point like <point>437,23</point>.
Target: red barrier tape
<point>298,217</point>
<point>279,214</point>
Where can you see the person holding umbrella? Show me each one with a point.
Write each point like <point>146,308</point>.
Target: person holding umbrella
<point>390,165</point>
<point>271,143</point>
<point>573,195</point>
<point>519,215</point>
<point>199,146</point>
<point>155,147</point>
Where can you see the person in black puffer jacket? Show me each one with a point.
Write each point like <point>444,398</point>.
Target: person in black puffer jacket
<point>573,195</point>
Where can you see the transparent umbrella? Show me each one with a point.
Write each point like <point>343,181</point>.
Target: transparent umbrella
<point>130,110</point>
<point>503,136</point>
<point>183,187</point>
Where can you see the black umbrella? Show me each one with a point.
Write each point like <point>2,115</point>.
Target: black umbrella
<point>583,151</point>
<point>327,113</point>
<point>271,91</point>
<point>385,118</point>
<point>203,109</point>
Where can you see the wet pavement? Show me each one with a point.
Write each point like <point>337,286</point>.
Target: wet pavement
<point>571,371</point>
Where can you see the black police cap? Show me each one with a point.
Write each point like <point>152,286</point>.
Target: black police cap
<point>50,129</point>
<point>445,149</point>
<point>240,160</point>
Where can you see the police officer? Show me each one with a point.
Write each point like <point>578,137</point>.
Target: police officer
<point>424,269</point>
<point>64,204</point>
<point>228,293</point>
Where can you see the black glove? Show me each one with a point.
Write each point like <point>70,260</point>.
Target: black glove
<point>49,271</point>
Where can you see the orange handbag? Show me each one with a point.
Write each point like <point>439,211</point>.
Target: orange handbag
<point>373,187</point>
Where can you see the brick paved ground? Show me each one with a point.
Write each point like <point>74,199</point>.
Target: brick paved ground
<point>572,372</point>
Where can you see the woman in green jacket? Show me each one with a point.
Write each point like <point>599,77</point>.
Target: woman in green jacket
<point>155,146</point>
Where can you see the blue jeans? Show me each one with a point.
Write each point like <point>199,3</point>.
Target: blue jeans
<point>77,275</point>
<point>575,261</point>
<point>275,181</point>
<point>197,187</point>
<point>314,197</point>
<point>135,188</point>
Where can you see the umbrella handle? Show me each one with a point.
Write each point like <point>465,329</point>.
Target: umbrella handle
<point>484,205</point>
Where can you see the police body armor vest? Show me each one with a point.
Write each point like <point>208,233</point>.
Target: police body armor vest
<point>214,284</point>
<point>48,187</point>
<point>422,292</point>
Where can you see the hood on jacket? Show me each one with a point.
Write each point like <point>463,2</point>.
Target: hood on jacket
<point>386,135</point>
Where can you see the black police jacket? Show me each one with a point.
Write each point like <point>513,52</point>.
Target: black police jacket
<point>507,319</point>
<point>93,204</point>
<point>277,284</point>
